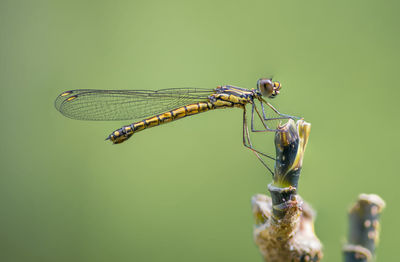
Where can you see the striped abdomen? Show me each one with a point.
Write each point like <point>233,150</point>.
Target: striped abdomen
<point>220,100</point>
<point>126,132</point>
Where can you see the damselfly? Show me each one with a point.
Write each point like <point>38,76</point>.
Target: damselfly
<point>166,105</point>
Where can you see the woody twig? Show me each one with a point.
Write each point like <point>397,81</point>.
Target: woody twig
<point>284,223</point>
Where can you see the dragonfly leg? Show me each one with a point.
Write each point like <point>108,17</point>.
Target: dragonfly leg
<point>283,116</point>
<point>246,138</point>
<point>247,143</point>
<point>267,129</point>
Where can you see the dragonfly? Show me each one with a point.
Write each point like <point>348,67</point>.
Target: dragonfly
<point>157,107</point>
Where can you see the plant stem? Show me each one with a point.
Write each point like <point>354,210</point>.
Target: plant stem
<point>363,228</point>
<point>284,229</point>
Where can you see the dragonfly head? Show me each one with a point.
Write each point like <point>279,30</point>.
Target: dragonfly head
<point>268,87</point>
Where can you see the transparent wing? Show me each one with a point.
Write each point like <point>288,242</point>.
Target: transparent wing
<point>91,104</point>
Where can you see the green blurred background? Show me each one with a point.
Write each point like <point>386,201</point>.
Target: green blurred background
<point>181,192</point>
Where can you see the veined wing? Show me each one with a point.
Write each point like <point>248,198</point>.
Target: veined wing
<point>91,104</point>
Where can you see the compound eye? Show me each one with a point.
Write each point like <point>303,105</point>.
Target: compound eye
<point>269,88</point>
<point>265,86</point>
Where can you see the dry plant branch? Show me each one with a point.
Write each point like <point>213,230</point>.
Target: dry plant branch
<point>363,228</point>
<point>284,229</point>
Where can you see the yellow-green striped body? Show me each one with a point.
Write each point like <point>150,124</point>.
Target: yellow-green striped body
<point>224,97</point>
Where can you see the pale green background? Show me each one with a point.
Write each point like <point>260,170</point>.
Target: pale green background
<point>181,192</point>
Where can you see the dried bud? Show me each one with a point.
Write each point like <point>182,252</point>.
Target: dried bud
<point>290,144</point>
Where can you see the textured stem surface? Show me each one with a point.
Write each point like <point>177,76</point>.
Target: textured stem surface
<point>284,229</point>
<point>363,228</point>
